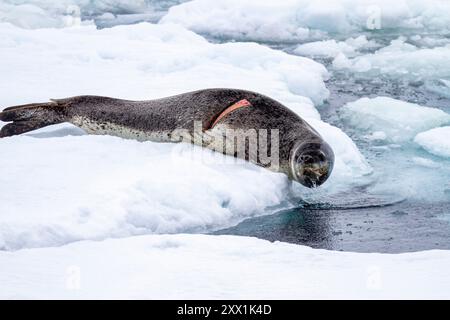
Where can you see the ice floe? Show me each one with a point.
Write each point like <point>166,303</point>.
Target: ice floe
<point>384,117</point>
<point>435,141</point>
<point>424,162</point>
<point>333,48</point>
<point>400,59</point>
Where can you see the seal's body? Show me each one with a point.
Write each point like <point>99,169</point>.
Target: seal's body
<point>302,153</point>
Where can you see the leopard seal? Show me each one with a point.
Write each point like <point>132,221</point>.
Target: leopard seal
<point>301,152</point>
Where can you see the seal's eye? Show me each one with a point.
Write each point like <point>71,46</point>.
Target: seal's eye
<point>312,164</point>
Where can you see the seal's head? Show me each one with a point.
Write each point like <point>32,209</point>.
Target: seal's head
<point>311,163</point>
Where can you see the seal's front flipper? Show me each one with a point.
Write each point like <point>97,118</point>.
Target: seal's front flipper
<point>30,117</point>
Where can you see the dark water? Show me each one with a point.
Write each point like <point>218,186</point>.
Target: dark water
<point>365,223</point>
<point>402,227</point>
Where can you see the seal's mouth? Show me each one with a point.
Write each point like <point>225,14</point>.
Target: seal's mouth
<point>313,175</point>
<point>312,164</point>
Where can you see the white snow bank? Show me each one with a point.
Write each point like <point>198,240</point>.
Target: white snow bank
<point>147,61</point>
<point>435,141</point>
<point>400,59</point>
<point>216,267</point>
<point>293,20</point>
<point>58,190</point>
<point>396,120</point>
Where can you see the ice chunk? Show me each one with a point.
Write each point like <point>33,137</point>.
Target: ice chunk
<point>427,163</point>
<point>402,59</point>
<point>341,61</point>
<point>435,141</point>
<point>377,136</point>
<point>439,86</point>
<point>429,41</point>
<point>155,267</point>
<point>328,48</point>
<point>333,48</point>
<point>399,120</point>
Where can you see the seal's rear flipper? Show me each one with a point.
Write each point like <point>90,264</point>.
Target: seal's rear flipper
<point>30,117</point>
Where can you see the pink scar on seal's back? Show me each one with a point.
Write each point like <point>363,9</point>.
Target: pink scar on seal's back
<point>240,104</point>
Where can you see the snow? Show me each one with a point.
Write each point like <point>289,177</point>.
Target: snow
<point>333,48</point>
<point>376,136</point>
<point>33,14</point>
<point>297,20</point>
<point>327,48</point>
<point>400,59</point>
<point>399,121</point>
<point>289,20</point>
<point>95,187</point>
<point>165,60</point>
<point>216,267</point>
<point>435,141</point>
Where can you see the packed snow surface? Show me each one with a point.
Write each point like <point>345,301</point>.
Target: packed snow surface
<point>435,141</point>
<point>218,267</point>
